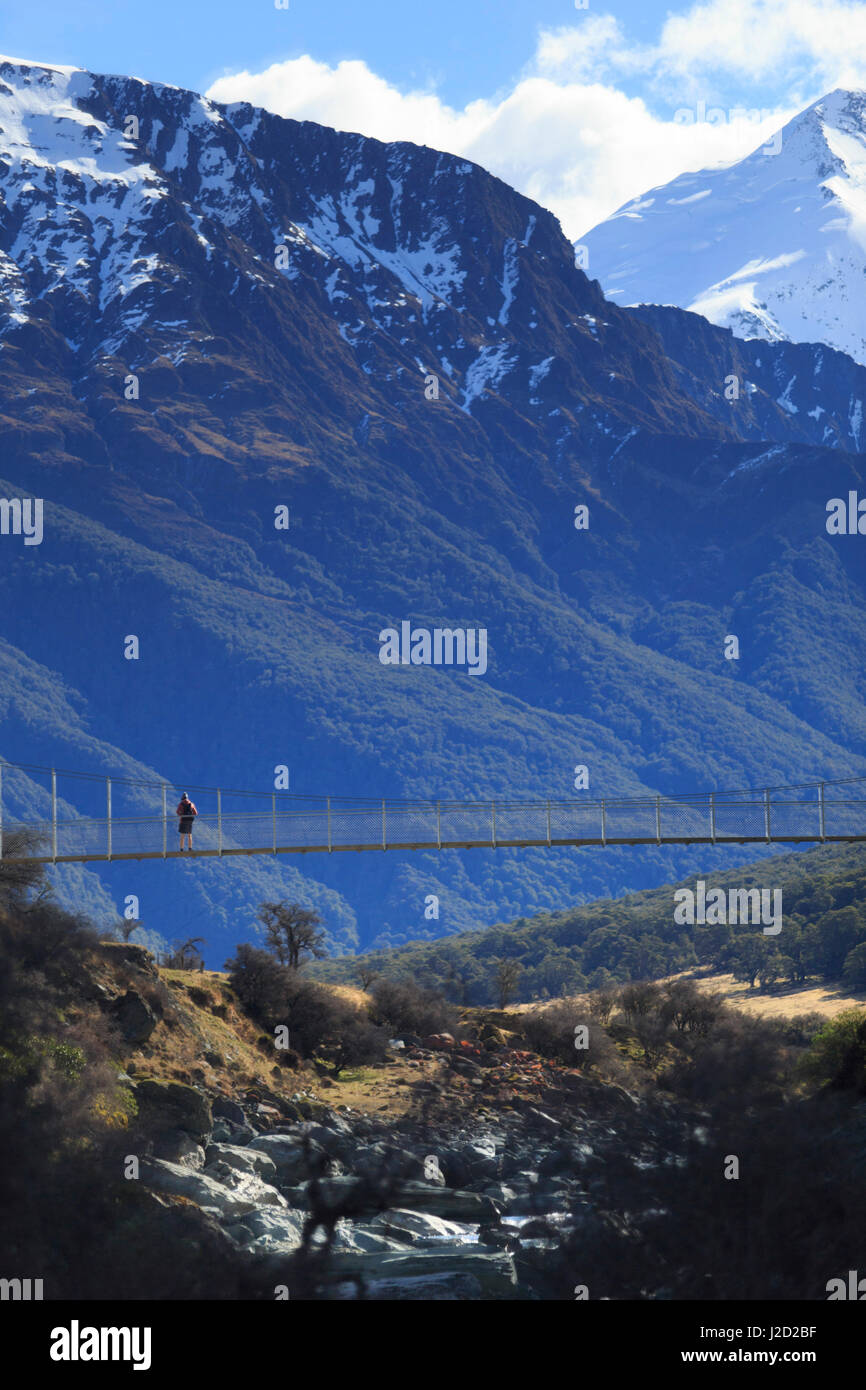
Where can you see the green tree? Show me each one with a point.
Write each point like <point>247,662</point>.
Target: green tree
<point>854,969</point>
<point>748,958</point>
<point>839,932</point>
<point>837,1056</point>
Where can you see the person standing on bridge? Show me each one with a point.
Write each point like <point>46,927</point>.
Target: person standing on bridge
<point>187,813</point>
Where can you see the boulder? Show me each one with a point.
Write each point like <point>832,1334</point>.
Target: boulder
<point>229,1110</point>
<point>439,1042</point>
<point>422,1229</point>
<point>451,1275</point>
<point>556,1160</point>
<point>464,1066</point>
<point>536,1228</point>
<point>210,1192</point>
<point>454,1167</point>
<point>134,1017</point>
<point>172,1105</point>
<point>179,1147</point>
<point>350,1235</point>
<point>501,1193</point>
<point>335,1138</point>
<point>374,1160</point>
<point>448,1203</point>
<point>480,1155</point>
<point>246,1159</point>
<point>269,1231</point>
<point>292,1159</point>
<point>250,1185</point>
<point>489,1033</point>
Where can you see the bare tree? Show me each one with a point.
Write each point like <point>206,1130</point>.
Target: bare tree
<point>365,975</point>
<point>600,1005</point>
<point>292,931</point>
<point>185,955</point>
<point>505,981</point>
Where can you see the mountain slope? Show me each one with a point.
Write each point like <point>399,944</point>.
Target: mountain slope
<point>772,247</point>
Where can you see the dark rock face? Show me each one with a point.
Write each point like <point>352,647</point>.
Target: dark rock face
<point>134,1016</point>
<point>786,392</point>
<point>228,1109</point>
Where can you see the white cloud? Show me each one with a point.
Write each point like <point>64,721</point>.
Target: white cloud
<point>759,39</point>
<point>568,134</point>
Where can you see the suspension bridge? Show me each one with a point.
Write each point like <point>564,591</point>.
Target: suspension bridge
<point>53,816</point>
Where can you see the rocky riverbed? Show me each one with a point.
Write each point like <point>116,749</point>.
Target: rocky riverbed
<point>480,1194</point>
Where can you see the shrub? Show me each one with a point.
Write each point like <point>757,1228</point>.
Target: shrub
<point>639,999</point>
<point>837,1057</point>
<point>600,1004</point>
<point>688,1008</point>
<point>854,969</point>
<point>18,880</point>
<point>352,1040</point>
<point>319,1022</point>
<point>260,983</point>
<point>550,1033</point>
<point>742,1061</point>
<point>402,1007</point>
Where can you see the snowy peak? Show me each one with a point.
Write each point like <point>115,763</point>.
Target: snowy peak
<point>190,281</point>
<point>113,192</point>
<point>772,247</point>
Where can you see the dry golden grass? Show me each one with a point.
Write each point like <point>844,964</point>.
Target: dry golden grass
<point>801,999</point>
<point>177,1052</point>
<point>783,1001</point>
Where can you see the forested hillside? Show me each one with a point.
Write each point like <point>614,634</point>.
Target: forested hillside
<point>590,947</point>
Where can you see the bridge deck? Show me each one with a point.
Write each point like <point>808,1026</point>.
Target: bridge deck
<point>228,851</point>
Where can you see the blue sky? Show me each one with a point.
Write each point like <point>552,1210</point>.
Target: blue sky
<point>467,48</point>
<point>580,109</point>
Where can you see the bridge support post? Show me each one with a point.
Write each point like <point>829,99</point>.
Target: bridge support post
<point>438,825</point>
<point>108,811</point>
<point>329,825</point>
<point>493,813</point>
<point>384,839</point>
<point>548,825</point>
<point>823,822</point>
<point>713,817</point>
<point>658,820</point>
<point>164,820</point>
<point>603,824</point>
<point>219,820</point>
<point>54,815</point>
<point>767,812</point>
<point>274,817</point>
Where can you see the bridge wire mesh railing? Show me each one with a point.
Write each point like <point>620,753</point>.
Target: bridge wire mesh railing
<point>121,817</point>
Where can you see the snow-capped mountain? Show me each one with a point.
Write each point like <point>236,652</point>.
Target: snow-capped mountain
<point>772,247</point>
